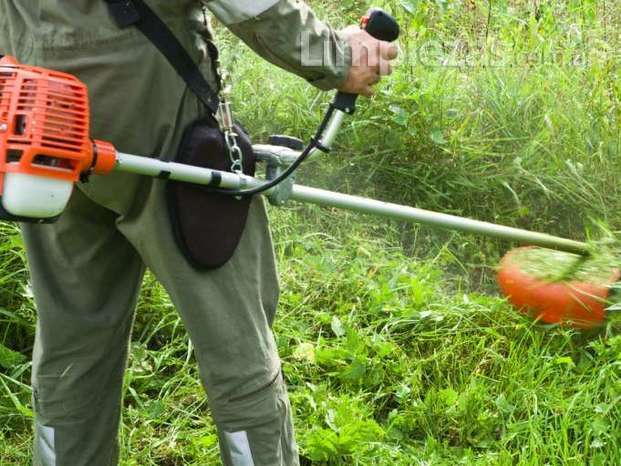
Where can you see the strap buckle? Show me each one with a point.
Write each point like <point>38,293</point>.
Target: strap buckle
<point>225,115</point>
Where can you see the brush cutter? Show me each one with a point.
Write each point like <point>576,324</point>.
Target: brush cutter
<point>46,148</point>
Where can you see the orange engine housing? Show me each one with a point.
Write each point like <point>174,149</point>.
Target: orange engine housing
<point>45,143</point>
<point>45,125</point>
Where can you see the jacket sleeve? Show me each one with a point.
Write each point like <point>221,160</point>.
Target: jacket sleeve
<point>288,34</point>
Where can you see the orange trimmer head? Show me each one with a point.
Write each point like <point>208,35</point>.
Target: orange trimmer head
<point>45,144</point>
<point>578,300</point>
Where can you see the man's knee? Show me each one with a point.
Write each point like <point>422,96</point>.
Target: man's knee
<point>77,388</point>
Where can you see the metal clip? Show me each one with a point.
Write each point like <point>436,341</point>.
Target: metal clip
<point>227,126</point>
<point>225,115</point>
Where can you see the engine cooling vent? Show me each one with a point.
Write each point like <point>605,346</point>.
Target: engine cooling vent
<point>44,122</point>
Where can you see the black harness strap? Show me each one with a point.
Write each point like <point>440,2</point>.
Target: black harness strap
<point>137,13</point>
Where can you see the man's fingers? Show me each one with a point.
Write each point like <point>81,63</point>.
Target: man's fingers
<point>388,51</point>
<point>362,56</point>
<point>385,68</point>
<point>368,91</point>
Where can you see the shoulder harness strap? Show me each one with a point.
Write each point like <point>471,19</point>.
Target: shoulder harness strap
<point>137,13</point>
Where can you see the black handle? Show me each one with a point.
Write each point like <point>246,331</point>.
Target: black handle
<point>382,26</point>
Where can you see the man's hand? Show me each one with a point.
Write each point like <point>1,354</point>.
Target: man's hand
<point>370,61</point>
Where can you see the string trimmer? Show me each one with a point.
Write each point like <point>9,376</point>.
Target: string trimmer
<point>46,148</point>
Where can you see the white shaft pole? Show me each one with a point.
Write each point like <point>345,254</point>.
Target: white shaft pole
<point>204,176</point>
<point>180,172</point>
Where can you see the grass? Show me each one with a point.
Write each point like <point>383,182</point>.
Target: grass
<point>395,347</point>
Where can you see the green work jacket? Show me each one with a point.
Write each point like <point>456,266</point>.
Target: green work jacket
<point>138,102</point>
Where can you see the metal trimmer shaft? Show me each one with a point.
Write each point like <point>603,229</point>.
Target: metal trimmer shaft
<point>204,176</point>
<point>434,219</point>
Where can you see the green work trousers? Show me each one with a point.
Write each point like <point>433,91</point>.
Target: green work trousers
<point>86,272</point>
<point>88,267</point>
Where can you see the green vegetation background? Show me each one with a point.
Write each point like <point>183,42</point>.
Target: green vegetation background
<point>395,347</point>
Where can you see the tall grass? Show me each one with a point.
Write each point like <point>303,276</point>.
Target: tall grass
<point>394,350</point>
<point>509,114</point>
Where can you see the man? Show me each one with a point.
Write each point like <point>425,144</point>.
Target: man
<point>87,268</point>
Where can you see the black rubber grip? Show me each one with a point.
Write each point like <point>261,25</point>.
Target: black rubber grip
<point>382,26</point>
<point>345,102</point>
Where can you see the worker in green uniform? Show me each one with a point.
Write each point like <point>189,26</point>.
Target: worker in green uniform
<point>87,268</point>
